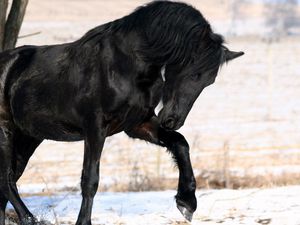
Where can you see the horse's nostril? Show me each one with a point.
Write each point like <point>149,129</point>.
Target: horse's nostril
<point>169,123</point>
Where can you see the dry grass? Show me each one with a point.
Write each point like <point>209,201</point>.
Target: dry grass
<point>217,181</point>
<point>11,218</point>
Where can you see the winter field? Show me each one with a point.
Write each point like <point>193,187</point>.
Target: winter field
<point>276,206</point>
<point>244,132</point>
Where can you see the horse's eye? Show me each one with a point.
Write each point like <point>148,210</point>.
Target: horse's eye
<point>196,76</point>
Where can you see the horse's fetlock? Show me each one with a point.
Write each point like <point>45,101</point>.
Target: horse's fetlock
<point>192,186</point>
<point>187,200</point>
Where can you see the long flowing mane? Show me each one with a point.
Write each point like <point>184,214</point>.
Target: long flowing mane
<point>171,32</point>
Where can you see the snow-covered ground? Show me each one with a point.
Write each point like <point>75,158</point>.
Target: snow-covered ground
<point>276,206</point>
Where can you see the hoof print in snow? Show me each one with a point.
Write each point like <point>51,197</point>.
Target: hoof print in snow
<point>264,221</point>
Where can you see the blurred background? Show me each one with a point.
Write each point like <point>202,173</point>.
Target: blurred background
<point>244,131</point>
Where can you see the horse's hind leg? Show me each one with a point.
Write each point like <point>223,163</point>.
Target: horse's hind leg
<point>4,156</point>
<point>24,147</point>
<point>15,151</point>
<point>3,203</point>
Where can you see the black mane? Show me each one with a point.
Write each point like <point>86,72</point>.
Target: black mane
<point>171,32</point>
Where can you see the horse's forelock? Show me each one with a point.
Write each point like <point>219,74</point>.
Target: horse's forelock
<point>208,54</point>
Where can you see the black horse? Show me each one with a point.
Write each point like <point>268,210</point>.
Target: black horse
<point>107,82</point>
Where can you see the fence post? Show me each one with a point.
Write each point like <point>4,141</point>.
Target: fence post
<point>226,165</point>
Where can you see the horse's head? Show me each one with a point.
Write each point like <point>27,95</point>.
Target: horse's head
<point>184,83</point>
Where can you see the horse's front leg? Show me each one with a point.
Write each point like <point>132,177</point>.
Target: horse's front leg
<point>185,198</point>
<point>178,146</point>
<point>93,145</point>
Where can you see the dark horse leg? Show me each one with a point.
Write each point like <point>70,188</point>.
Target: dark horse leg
<point>3,202</point>
<point>178,146</point>
<point>93,145</point>
<point>16,149</point>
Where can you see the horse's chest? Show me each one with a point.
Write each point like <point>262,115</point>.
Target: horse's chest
<point>137,108</point>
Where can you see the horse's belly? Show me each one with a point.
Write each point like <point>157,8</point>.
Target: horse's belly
<point>47,128</point>
<point>40,122</point>
<point>41,112</point>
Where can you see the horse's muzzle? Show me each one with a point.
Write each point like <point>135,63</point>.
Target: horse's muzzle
<point>171,123</point>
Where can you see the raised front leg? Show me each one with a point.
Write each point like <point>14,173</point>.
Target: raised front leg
<point>178,146</point>
<point>93,145</point>
<point>185,198</point>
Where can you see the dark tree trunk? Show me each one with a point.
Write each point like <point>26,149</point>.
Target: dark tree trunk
<point>10,27</point>
<point>3,9</point>
<point>14,22</point>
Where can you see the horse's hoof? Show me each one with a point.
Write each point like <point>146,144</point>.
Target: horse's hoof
<point>187,214</point>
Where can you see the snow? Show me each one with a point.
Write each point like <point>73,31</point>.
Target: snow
<point>274,206</point>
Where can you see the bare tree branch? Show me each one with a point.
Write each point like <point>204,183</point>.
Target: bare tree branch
<point>29,35</point>
<point>3,8</point>
<point>14,22</point>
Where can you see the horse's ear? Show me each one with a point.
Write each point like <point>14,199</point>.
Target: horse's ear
<point>230,55</point>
